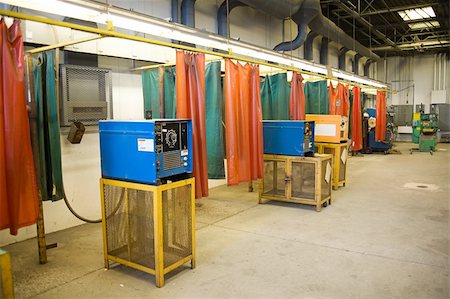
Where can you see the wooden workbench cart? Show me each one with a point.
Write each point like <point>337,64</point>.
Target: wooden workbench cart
<point>149,228</point>
<point>304,180</point>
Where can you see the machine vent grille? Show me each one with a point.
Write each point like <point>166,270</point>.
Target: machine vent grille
<point>171,160</point>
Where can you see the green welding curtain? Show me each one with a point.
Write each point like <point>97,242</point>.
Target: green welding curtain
<point>275,95</point>
<point>317,97</point>
<point>48,128</point>
<point>214,128</point>
<point>159,92</point>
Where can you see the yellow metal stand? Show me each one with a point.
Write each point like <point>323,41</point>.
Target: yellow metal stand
<point>340,156</point>
<point>304,180</point>
<point>6,275</point>
<point>157,240</point>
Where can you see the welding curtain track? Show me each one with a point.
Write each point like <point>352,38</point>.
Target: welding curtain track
<point>275,97</point>
<point>48,127</point>
<point>190,85</point>
<point>158,85</point>
<point>18,189</point>
<point>243,122</point>
<point>316,97</point>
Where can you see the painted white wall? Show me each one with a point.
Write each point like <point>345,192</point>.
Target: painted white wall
<point>412,79</point>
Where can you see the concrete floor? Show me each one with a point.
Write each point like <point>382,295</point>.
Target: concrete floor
<point>379,239</point>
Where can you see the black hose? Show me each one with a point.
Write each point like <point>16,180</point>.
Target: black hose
<point>90,220</point>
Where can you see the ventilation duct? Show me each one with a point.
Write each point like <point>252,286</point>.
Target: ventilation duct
<point>188,13</point>
<point>308,13</point>
<point>174,11</point>
<point>355,66</point>
<point>294,44</point>
<point>367,67</point>
<point>308,48</point>
<point>341,59</point>
<point>224,13</point>
<point>324,51</point>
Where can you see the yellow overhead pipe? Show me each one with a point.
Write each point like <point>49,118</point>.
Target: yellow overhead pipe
<point>64,44</point>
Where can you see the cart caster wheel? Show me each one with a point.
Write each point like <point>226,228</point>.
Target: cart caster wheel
<point>431,153</point>
<point>325,204</point>
<point>329,202</point>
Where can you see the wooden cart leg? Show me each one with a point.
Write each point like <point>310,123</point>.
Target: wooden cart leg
<point>6,275</point>
<point>250,186</point>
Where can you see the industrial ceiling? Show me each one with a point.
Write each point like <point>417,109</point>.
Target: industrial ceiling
<point>394,27</point>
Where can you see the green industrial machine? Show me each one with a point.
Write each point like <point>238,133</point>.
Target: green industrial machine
<point>428,132</point>
<point>416,127</point>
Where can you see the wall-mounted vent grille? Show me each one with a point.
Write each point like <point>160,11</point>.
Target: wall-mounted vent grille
<point>86,94</point>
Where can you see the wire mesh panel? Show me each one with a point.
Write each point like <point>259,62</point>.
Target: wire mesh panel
<point>274,178</point>
<point>177,224</point>
<point>303,180</point>
<point>85,94</point>
<point>129,224</point>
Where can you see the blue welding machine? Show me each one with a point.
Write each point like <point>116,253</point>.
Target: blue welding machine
<point>288,137</point>
<point>145,151</point>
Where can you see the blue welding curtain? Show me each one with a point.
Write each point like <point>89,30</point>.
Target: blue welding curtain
<point>214,128</point>
<point>317,97</point>
<point>48,128</point>
<point>275,94</point>
<point>159,92</point>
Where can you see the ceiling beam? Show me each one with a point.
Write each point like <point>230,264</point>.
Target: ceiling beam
<point>393,9</point>
<point>366,23</point>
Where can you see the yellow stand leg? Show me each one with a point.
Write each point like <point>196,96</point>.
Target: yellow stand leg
<point>6,275</point>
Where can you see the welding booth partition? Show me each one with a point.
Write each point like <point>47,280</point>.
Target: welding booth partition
<point>339,100</point>
<point>316,97</point>
<point>380,126</point>
<point>190,89</point>
<point>274,93</point>
<point>158,85</point>
<point>356,120</point>
<point>49,142</point>
<point>297,98</point>
<point>18,188</point>
<point>243,122</point>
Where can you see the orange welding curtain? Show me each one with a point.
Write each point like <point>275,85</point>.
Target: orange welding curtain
<point>190,85</point>
<point>356,120</point>
<point>243,123</point>
<point>18,189</point>
<point>297,100</point>
<point>380,128</point>
<point>339,100</point>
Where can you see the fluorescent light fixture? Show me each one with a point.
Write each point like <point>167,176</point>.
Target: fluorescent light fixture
<point>356,79</point>
<point>417,13</point>
<point>120,18</point>
<point>424,25</point>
